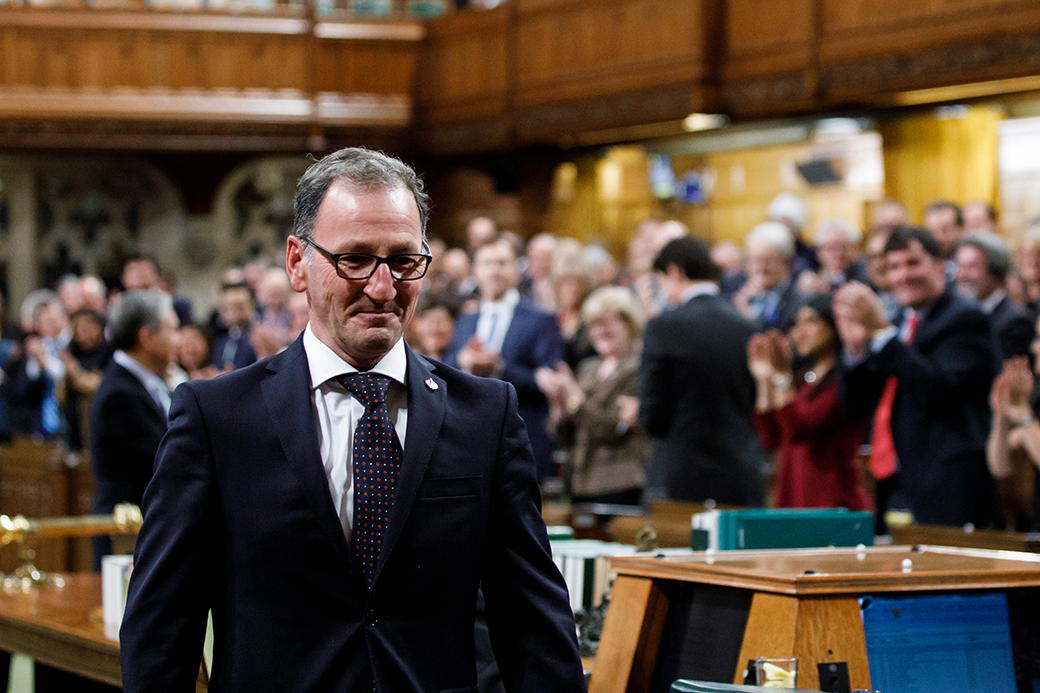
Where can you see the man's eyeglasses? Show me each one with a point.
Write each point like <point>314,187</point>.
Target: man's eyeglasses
<point>405,267</point>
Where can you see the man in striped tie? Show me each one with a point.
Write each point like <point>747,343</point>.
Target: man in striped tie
<point>926,380</point>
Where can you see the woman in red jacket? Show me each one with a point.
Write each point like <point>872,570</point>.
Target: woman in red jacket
<point>801,415</point>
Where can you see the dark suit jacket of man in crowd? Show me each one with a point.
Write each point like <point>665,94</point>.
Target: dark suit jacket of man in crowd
<point>126,426</point>
<point>696,399</point>
<point>465,514</point>
<point>532,341</point>
<point>242,356</point>
<point>1013,330</point>
<point>940,416</point>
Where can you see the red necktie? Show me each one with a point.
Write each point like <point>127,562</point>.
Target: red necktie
<point>882,445</point>
<point>377,465</point>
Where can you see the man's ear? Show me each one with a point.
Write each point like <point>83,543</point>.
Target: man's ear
<point>296,264</point>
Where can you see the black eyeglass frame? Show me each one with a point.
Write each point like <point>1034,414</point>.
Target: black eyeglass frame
<point>334,259</point>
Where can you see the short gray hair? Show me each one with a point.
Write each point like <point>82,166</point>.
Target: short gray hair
<point>998,256</point>
<point>134,310</point>
<point>360,168</point>
<point>851,232</point>
<point>773,234</point>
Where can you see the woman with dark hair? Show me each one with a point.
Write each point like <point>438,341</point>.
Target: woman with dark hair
<point>801,416</point>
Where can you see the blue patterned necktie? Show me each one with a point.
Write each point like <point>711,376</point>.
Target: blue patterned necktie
<point>377,458</point>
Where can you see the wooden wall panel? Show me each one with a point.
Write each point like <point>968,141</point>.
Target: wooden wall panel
<point>756,28</point>
<point>581,48</point>
<point>464,67</point>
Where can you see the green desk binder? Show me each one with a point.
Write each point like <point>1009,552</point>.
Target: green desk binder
<point>789,528</point>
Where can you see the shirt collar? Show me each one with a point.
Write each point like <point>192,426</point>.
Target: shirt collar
<point>990,304</point>
<point>699,289</point>
<point>148,379</point>
<point>509,300</point>
<point>326,364</point>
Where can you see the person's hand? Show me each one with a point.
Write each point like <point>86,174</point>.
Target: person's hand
<point>999,394</point>
<point>570,391</point>
<point>859,315</point>
<point>548,383</point>
<point>34,350</point>
<point>742,298</point>
<point>1016,439</point>
<point>810,282</point>
<point>760,360</point>
<point>628,409</point>
<point>478,359</point>
<point>267,340</point>
<point>1019,387</point>
<point>780,352</point>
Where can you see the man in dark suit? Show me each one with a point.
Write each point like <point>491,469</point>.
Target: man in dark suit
<point>510,338</point>
<point>983,264</point>
<point>696,394</point>
<point>233,348</point>
<point>929,380</point>
<point>337,505</point>
<point>128,412</point>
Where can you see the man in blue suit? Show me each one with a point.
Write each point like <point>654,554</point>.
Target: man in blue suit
<point>510,339</point>
<point>338,504</point>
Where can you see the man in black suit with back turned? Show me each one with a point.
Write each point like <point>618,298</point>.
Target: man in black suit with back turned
<point>696,394</point>
<point>928,377</point>
<point>128,412</point>
<point>337,505</point>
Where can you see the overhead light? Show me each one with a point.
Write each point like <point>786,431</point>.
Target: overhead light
<point>704,121</point>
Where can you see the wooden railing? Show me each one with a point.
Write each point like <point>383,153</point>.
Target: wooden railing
<point>175,73</point>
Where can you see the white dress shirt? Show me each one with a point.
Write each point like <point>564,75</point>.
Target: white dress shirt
<point>338,413</point>
<point>494,320</point>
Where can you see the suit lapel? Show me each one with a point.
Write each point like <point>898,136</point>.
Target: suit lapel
<point>516,326</point>
<point>287,395</point>
<point>426,402</point>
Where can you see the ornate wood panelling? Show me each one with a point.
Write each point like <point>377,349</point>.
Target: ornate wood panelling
<point>567,49</point>
<point>868,48</point>
<point>464,70</point>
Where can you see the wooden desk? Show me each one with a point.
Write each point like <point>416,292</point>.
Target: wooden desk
<point>62,628</point>
<point>976,539</point>
<point>800,603</point>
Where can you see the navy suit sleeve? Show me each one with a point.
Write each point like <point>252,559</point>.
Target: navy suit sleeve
<point>548,351</point>
<point>528,612</point>
<point>963,360</point>
<point>655,384</point>
<point>1015,337</point>
<point>178,552</point>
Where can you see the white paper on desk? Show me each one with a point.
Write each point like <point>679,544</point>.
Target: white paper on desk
<point>115,576</point>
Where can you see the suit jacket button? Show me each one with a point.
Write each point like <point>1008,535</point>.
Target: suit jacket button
<point>371,619</point>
